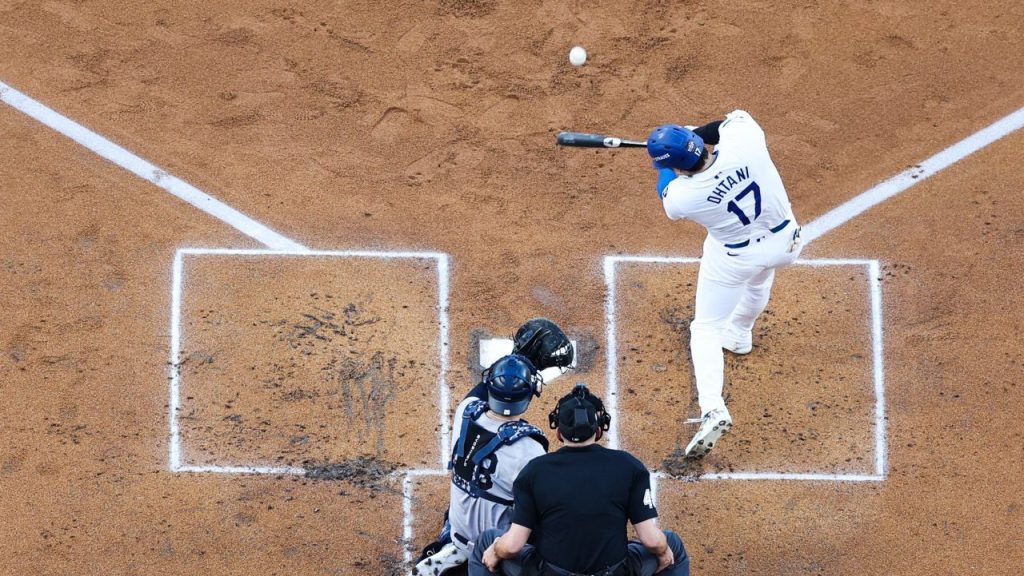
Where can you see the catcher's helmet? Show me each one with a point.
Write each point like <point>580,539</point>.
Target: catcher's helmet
<point>672,146</point>
<point>579,415</point>
<point>544,344</point>
<point>511,381</point>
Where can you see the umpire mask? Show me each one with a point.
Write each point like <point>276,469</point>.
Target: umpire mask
<point>579,415</point>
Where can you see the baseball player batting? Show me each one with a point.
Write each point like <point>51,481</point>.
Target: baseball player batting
<point>736,193</point>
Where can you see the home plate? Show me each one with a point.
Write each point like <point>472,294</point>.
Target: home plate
<point>491,349</point>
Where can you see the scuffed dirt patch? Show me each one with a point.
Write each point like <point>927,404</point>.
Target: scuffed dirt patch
<point>365,472</point>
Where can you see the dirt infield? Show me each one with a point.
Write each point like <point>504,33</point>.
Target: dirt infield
<point>429,127</point>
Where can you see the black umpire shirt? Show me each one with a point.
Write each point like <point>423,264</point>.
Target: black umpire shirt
<point>577,501</point>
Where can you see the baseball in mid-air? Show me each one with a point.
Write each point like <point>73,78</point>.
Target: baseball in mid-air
<point>577,56</point>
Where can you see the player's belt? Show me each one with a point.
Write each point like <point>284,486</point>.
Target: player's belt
<point>746,243</point>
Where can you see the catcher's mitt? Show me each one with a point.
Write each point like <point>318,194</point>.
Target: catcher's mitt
<point>544,343</point>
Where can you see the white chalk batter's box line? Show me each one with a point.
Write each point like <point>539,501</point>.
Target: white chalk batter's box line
<point>176,460</point>
<point>878,369</point>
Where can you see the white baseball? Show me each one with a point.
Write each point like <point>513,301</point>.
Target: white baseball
<point>577,56</point>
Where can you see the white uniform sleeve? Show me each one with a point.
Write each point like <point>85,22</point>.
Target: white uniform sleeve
<point>738,124</point>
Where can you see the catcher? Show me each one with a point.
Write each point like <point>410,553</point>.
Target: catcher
<point>494,444</point>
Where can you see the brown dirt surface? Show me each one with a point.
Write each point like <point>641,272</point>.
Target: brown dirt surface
<point>430,126</point>
<point>317,352</point>
<point>816,418</point>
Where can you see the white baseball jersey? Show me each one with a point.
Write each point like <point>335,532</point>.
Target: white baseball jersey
<point>741,201</point>
<point>738,197</point>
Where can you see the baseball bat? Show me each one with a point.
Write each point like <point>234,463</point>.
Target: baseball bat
<point>584,140</point>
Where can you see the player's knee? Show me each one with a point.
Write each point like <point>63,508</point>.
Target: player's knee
<point>676,544</point>
<point>704,328</point>
<point>486,538</point>
<point>681,567</point>
<point>758,292</point>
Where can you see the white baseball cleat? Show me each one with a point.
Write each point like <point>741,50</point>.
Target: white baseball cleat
<point>737,344</point>
<point>446,558</point>
<point>715,423</point>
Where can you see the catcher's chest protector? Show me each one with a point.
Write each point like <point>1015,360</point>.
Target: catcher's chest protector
<point>475,459</point>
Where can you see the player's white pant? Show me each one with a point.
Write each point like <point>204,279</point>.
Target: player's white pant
<point>733,287</point>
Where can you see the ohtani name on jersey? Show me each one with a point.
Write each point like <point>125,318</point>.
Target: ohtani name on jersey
<point>726,184</point>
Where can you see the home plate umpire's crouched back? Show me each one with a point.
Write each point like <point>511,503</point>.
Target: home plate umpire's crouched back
<point>572,507</point>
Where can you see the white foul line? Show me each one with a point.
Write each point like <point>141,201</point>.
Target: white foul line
<point>911,176</point>
<point>878,374</point>
<point>145,170</point>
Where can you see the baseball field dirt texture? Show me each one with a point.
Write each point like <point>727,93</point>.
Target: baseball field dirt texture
<point>249,250</point>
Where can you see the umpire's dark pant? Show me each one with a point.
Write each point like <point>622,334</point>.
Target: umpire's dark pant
<point>638,559</point>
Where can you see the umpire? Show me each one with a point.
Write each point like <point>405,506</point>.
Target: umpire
<point>572,506</point>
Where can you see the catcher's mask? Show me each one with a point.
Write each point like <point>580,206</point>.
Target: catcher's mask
<point>672,146</point>
<point>579,415</point>
<point>511,381</point>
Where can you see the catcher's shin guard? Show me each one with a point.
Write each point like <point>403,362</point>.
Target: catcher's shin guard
<point>445,559</point>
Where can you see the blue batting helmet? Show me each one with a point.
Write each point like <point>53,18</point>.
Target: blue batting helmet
<point>672,146</point>
<point>511,382</point>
